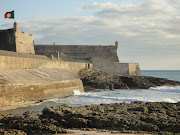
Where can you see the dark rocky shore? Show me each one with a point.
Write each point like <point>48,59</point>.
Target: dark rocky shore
<point>136,117</point>
<point>94,79</point>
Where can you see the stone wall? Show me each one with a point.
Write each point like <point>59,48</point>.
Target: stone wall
<point>79,53</point>
<point>102,57</point>
<point>22,55</point>
<point>27,78</point>
<point>12,60</point>
<point>24,42</point>
<point>134,69</point>
<point>126,69</point>
<point>17,41</point>
<point>121,68</point>
<point>7,40</point>
<point>26,86</point>
<point>9,62</point>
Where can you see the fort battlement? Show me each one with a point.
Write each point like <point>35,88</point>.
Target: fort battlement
<point>16,41</point>
<point>104,58</point>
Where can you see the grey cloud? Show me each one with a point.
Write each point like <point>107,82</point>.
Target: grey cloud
<point>147,32</point>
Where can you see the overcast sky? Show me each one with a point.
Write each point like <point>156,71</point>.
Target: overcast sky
<point>148,31</point>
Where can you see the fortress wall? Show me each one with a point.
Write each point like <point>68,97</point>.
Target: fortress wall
<point>62,64</point>
<point>127,69</point>
<point>103,64</point>
<point>134,69</point>
<point>7,40</point>
<point>8,62</point>
<point>17,41</point>
<point>24,42</point>
<point>26,86</point>
<point>81,52</point>
<point>124,69</point>
<point>121,68</point>
<point>22,55</point>
<point>102,57</point>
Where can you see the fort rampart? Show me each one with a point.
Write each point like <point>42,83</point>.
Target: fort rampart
<point>102,57</point>
<point>11,60</point>
<point>16,40</point>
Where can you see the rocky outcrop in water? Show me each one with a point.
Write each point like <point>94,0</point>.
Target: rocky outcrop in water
<point>136,116</point>
<point>94,79</point>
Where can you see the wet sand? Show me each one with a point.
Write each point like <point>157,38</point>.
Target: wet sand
<point>82,132</point>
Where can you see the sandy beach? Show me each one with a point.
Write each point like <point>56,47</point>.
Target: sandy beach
<point>83,132</point>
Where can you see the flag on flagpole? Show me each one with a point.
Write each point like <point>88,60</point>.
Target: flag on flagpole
<point>9,15</point>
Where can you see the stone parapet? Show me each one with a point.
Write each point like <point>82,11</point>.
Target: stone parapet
<point>9,62</point>
<point>22,55</point>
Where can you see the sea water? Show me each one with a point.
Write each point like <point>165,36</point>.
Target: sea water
<point>158,94</point>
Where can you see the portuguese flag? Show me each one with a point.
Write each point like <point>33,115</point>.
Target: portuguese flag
<point>9,15</point>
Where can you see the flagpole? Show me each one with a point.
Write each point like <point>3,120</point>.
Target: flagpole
<point>14,18</point>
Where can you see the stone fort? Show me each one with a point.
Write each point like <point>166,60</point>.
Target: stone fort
<point>16,41</point>
<point>29,73</point>
<point>104,58</point>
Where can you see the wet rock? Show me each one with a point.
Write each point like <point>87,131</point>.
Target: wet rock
<point>136,116</point>
<point>94,79</point>
<point>137,82</point>
<point>12,132</point>
<point>152,117</point>
<point>29,125</point>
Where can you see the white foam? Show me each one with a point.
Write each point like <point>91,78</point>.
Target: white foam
<point>169,100</point>
<point>77,92</point>
<point>166,88</point>
<point>159,94</point>
<point>170,89</point>
<point>52,100</point>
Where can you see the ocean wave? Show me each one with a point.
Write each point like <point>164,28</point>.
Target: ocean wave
<point>77,92</point>
<point>113,97</point>
<point>166,88</point>
<point>170,100</point>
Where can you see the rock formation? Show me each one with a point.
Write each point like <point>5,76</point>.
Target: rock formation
<point>136,117</point>
<point>95,79</point>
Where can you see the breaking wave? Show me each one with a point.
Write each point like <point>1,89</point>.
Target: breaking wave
<point>158,94</point>
<point>166,88</point>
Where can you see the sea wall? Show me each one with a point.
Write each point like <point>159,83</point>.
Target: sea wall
<point>27,78</point>
<point>22,87</point>
<point>11,60</point>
